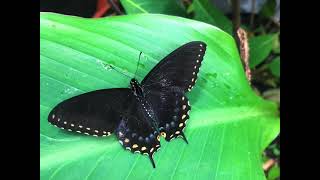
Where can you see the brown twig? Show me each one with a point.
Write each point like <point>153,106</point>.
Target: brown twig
<point>241,38</point>
<point>235,15</point>
<point>267,165</point>
<point>115,7</point>
<point>253,9</point>
<point>187,2</point>
<point>244,51</point>
<point>102,8</point>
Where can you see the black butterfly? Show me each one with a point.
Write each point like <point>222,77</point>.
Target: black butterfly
<point>140,115</point>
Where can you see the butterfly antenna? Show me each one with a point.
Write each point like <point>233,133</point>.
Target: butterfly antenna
<point>113,68</point>
<point>137,65</point>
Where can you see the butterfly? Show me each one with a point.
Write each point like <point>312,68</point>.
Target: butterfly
<point>139,115</point>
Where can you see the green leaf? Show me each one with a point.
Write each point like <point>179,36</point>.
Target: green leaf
<point>269,8</point>
<point>274,172</point>
<point>260,47</point>
<point>276,45</point>
<point>229,126</point>
<point>275,66</point>
<point>205,11</point>
<point>170,7</point>
<point>190,9</point>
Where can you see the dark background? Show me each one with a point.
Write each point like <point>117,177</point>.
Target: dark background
<point>83,8</point>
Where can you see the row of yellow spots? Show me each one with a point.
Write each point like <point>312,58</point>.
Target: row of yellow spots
<point>135,146</point>
<point>81,127</point>
<point>194,73</point>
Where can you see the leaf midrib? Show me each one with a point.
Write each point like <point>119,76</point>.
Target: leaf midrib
<point>137,6</point>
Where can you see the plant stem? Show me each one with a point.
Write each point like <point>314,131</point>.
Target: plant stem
<point>115,7</point>
<point>267,165</point>
<point>235,15</point>
<point>253,9</point>
<point>243,46</point>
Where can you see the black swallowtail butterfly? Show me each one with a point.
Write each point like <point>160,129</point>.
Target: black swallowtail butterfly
<point>138,115</point>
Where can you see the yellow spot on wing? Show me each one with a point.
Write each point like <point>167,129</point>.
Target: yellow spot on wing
<point>163,134</point>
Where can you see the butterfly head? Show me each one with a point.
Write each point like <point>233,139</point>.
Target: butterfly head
<point>136,87</point>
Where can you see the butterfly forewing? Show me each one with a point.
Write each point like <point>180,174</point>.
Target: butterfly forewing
<point>94,113</point>
<point>177,70</point>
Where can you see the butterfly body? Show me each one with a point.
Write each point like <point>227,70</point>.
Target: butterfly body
<point>141,114</point>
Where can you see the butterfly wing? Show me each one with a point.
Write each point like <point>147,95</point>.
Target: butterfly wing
<point>166,84</point>
<point>178,70</point>
<point>94,113</point>
<point>136,132</point>
<point>172,111</point>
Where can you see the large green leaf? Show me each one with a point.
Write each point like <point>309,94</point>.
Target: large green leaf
<point>169,7</point>
<point>205,11</point>
<point>229,125</point>
<point>275,66</point>
<point>260,47</point>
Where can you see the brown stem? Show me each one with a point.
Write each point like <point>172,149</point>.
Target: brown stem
<point>241,37</point>
<point>115,7</point>
<point>244,51</point>
<point>235,15</point>
<point>267,165</point>
<point>187,2</point>
<point>253,9</point>
<point>236,20</point>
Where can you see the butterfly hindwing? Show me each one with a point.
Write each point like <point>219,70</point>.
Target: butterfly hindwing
<point>166,84</point>
<point>94,113</point>
<point>136,132</point>
<point>172,111</point>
